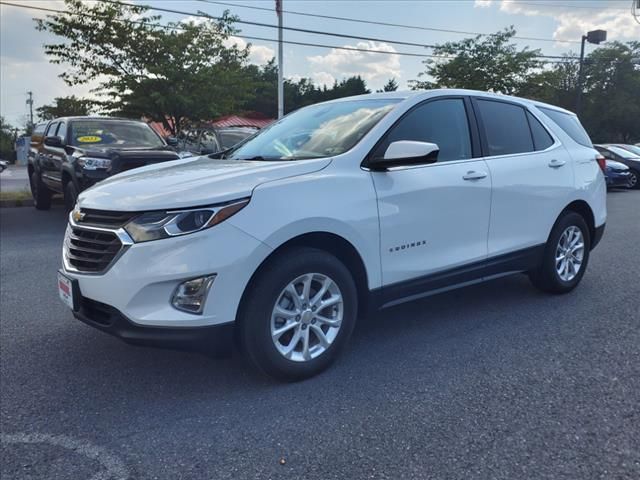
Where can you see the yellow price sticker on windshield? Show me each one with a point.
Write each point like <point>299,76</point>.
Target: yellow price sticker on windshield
<point>89,139</point>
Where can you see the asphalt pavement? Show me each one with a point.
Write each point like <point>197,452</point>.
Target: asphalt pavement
<point>496,381</point>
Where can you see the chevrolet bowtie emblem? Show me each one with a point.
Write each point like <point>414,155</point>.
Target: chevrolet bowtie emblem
<point>78,216</point>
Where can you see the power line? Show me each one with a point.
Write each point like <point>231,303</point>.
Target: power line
<point>590,7</point>
<point>315,32</point>
<point>386,24</point>
<point>263,39</point>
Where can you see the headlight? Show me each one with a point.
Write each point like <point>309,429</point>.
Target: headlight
<point>89,163</point>
<point>157,225</point>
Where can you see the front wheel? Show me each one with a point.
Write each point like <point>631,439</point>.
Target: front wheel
<point>39,191</point>
<point>299,314</point>
<point>565,257</point>
<point>634,180</point>
<point>70,196</point>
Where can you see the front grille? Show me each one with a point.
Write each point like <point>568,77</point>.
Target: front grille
<point>105,218</point>
<point>90,251</point>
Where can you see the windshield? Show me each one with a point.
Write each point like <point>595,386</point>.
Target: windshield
<point>113,133</point>
<point>628,151</point>
<point>622,152</point>
<point>317,131</point>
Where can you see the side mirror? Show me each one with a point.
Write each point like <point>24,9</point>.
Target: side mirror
<point>53,141</point>
<point>172,141</point>
<point>406,152</point>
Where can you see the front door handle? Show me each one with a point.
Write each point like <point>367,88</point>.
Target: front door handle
<point>473,175</point>
<point>556,163</point>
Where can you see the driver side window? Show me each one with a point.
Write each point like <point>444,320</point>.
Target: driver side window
<point>443,122</point>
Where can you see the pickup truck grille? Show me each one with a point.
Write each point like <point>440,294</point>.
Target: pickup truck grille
<point>90,251</point>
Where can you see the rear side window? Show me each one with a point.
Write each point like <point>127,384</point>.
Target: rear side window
<point>39,130</point>
<point>443,122</point>
<point>505,127</point>
<point>541,138</point>
<point>570,124</point>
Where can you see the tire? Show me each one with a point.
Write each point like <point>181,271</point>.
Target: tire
<point>258,318</point>
<point>70,195</point>
<point>548,277</point>
<point>39,191</point>
<point>634,180</point>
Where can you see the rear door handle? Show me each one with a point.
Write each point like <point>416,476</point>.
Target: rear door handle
<point>556,163</point>
<point>473,175</point>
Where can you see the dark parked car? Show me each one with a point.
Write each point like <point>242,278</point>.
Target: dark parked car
<point>68,155</point>
<point>635,149</point>
<point>617,174</point>
<point>208,140</point>
<point>630,159</point>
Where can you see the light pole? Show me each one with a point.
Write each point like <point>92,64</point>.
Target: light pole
<point>596,37</point>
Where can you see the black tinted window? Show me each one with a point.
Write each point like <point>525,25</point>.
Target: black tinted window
<point>443,122</point>
<point>506,128</point>
<point>570,124</point>
<point>62,131</point>
<point>51,131</point>
<point>541,138</point>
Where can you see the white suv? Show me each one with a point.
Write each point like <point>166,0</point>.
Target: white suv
<point>364,201</point>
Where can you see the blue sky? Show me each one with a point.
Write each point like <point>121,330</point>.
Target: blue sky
<point>24,67</point>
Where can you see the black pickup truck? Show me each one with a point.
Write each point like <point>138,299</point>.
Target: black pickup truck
<point>68,155</point>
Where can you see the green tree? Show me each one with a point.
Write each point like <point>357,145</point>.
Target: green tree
<point>6,140</point>
<point>65,107</point>
<point>390,86</point>
<point>176,74</point>
<point>612,93</point>
<point>489,63</point>
<point>556,84</point>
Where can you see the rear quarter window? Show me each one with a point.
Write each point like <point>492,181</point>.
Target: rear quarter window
<point>570,124</point>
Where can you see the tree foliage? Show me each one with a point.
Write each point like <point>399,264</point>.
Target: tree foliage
<point>6,140</point>
<point>390,86</point>
<point>65,107</point>
<point>297,93</point>
<point>173,74</point>
<point>490,63</point>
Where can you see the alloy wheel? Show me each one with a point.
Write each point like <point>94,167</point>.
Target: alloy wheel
<point>306,317</point>
<point>570,253</point>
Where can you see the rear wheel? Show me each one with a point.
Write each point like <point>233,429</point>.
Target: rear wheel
<point>301,312</point>
<point>565,257</point>
<point>634,179</point>
<point>70,195</point>
<point>39,191</point>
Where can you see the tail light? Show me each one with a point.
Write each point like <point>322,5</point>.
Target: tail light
<point>602,162</point>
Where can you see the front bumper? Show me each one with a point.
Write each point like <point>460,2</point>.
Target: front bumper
<point>213,340</point>
<point>615,179</point>
<point>139,284</point>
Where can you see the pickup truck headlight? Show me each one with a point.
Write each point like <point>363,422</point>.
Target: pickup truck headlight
<point>165,224</point>
<point>89,163</point>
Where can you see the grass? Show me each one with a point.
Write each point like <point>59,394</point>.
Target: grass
<point>19,196</point>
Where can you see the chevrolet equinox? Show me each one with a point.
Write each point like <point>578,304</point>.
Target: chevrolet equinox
<point>355,203</point>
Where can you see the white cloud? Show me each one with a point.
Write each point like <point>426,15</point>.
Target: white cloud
<point>258,54</point>
<point>323,78</point>
<point>482,3</point>
<point>572,23</point>
<point>375,68</point>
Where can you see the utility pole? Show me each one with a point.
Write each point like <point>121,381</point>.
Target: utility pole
<point>30,103</point>
<point>280,61</point>
<point>596,37</point>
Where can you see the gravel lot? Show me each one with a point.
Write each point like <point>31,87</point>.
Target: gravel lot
<point>495,381</point>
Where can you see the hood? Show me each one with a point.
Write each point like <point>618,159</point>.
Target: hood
<point>164,153</point>
<point>613,165</point>
<point>189,183</point>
